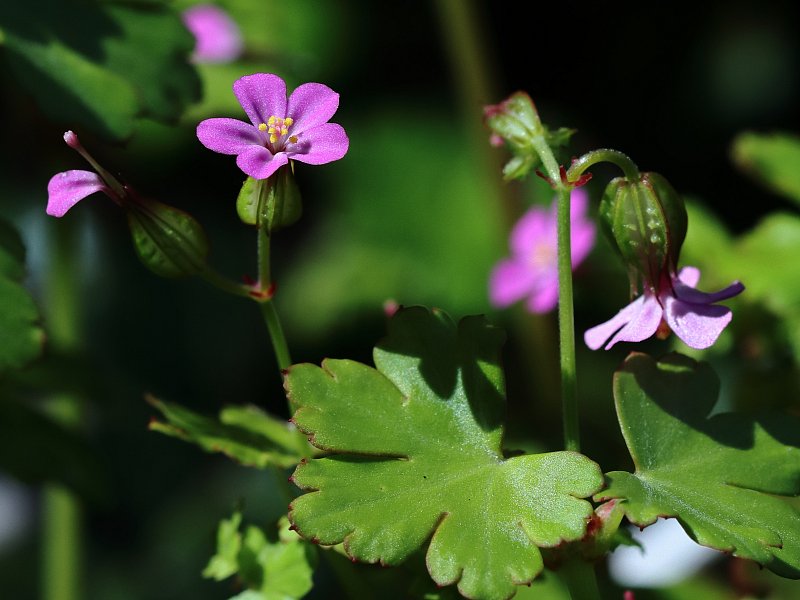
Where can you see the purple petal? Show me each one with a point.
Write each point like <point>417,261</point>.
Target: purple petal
<point>509,282</point>
<point>597,335</point>
<point>320,145</point>
<point>643,324</point>
<point>310,105</point>
<point>544,297</point>
<point>217,37</point>
<point>693,296</point>
<point>66,189</point>
<point>262,96</point>
<point>259,163</point>
<point>698,325</point>
<point>536,225</point>
<point>227,136</point>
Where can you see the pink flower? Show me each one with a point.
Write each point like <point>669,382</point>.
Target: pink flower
<point>217,37</point>
<point>532,269</point>
<point>66,189</point>
<point>691,314</point>
<point>279,130</point>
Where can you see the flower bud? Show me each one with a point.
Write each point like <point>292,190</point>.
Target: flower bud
<point>646,221</point>
<point>168,241</point>
<point>272,203</point>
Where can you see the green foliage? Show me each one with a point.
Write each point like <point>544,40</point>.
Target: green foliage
<point>21,338</point>
<point>100,64</point>
<point>170,242</point>
<point>416,452</point>
<point>35,449</point>
<point>279,569</point>
<point>720,476</point>
<point>773,159</point>
<point>390,234</point>
<point>246,434</point>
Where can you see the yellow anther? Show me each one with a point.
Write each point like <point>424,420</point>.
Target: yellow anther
<point>271,130</point>
<point>262,126</point>
<point>293,139</point>
<point>284,131</point>
<point>288,121</point>
<point>273,138</point>
<point>271,121</point>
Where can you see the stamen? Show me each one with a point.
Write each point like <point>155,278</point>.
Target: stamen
<point>288,121</point>
<point>262,126</point>
<point>273,138</point>
<point>271,121</point>
<point>293,139</point>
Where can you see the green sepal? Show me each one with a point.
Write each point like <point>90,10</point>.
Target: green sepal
<point>170,242</point>
<point>646,223</point>
<point>720,476</point>
<point>415,455</point>
<point>273,203</point>
<point>245,434</point>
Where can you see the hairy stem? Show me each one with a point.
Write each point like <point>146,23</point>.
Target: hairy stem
<point>268,311</point>
<point>578,167</point>
<point>580,579</point>
<point>566,327</point>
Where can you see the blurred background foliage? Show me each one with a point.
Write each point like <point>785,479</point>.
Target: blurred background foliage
<point>415,213</point>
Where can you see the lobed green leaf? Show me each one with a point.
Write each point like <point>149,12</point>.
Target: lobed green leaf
<point>416,455</point>
<point>720,476</point>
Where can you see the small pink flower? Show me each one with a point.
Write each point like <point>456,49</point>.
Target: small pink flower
<point>217,37</point>
<point>280,130</point>
<point>66,189</point>
<point>690,313</point>
<point>532,269</point>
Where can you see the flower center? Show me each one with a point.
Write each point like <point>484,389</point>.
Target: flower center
<point>543,256</point>
<point>278,130</point>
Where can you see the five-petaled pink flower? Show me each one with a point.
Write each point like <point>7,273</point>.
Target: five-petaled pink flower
<point>217,37</point>
<point>690,313</point>
<point>281,130</point>
<point>532,269</point>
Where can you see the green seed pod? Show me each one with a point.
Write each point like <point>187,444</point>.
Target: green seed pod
<point>168,241</point>
<point>646,221</point>
<point>272,203</point>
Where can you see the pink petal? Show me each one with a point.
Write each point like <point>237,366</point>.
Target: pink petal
<point>698,325</point>
<point>643,324</point>
<point>509,282</point>
<point>66,189</point>
<point>689,276</point>
<point>544,297</point>
<point>597,335</point>
<point>536,224</point>
<point>259,163</point>
<point>262,96</point>
<point>320,145</point>
<point>310,105</point>
<point>227,136</point>
<point>578,204</point>
<point>217,37</point>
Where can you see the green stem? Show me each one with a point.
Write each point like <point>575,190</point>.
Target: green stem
<point>268,311</point>
<point>580,579</point>
<point>615,157</point>
<point>566,327</point>
<point>223,283</point>
<point>276,335</point>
